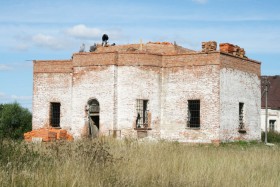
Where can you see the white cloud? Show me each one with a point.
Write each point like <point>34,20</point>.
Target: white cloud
<point>11,98</point>
<point>2,94</point>
<point>21,47</point>
<point>200,1</point>
<point>4,67</point>
<point>24,101</point>
<point>49,41</point>
<point>21,98</point>
<point>83,32</point>
<point>15,65</point>
<point>27,64</point>
<point>61,39</point>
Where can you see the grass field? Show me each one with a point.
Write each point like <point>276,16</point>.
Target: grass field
<point>109,162</point>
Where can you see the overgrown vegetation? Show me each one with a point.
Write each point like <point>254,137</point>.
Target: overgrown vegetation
<point>110,162</point>
<point>14,121</point>
<point>272,137</point>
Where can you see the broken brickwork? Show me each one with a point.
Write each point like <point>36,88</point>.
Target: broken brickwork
<point>232,49</point>
<point>167,77</point>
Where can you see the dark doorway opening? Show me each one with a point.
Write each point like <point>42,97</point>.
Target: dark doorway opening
<point>93,118</point>
<point>55,115</point>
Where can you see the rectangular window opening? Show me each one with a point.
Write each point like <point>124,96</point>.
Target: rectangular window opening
<point>55,114</point>
<point>194,113</point>
<point>142,113</point>
<point>241,115</point>
<point>272,125</point>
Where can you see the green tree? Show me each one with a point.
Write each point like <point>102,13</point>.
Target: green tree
<point>14,121</point>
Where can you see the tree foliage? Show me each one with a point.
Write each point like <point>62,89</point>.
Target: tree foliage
<point>14,121</point>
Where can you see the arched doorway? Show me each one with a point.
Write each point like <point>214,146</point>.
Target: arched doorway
<point>93,117</point>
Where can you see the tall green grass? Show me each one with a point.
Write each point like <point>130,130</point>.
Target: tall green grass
<point>110,162</point>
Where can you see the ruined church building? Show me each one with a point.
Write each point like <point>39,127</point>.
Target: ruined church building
<point>155,90</point>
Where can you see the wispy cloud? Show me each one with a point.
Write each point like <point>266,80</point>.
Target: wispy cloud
<point>70,37</point>
<point>10,98</point>
<point>48,41</point>
<point>4,67</point>
<point>2,94</point>
<point>21,97</point>
<point>23,100</point>
<point>15,65</point>
<point>26,64</point>
<point>21,47</point>
<point>200,1</point>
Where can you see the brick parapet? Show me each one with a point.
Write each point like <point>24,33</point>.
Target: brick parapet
<point>89,59</point>
<point>147,59</point>
<point>156,48</point>
<point>241,64</point>
<point>190,59</point>
<point>52,66</point>
<point>144,59</point>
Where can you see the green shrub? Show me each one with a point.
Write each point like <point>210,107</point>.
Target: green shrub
<point>14,121</point>
<point>272,137</point>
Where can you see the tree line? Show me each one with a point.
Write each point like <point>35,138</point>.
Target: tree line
<point>14,121</point>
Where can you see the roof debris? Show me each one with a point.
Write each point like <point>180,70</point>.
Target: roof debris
<point>209,46</point>
<point>163,43</point>
<point>232,49</point>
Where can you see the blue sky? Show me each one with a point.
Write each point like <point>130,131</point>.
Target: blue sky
<point>54,29</point>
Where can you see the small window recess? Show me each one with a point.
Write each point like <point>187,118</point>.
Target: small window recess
<point>142,115</point>
<point>241,128</point>
<point>193,120</point>
<point>272,125</point>
<point>55,114</point>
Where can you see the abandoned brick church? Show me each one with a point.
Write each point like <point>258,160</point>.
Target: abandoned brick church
<point>157,90</point>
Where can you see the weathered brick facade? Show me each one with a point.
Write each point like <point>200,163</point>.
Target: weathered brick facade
<point>165,75</point>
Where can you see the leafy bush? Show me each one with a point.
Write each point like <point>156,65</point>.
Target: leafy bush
<point>272,137</point>
<point>14,121</point>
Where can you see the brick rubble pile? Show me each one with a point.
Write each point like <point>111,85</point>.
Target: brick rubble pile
<point>48,134</point>
<point>232,49</point>
<point>209,46</point>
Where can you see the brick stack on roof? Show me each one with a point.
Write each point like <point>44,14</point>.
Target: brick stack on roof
<point>232,49</point>
<point>209,46</point>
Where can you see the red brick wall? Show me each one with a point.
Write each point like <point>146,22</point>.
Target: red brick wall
<point>242,64</point>
<point>53,66</point>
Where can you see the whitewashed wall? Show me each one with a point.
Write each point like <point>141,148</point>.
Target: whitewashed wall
<point>135,82</point>
<point>92,82</point>
<point>51,87</point>
<point>190,83</point>
<point>238,86</point>
<point>272,115</point>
